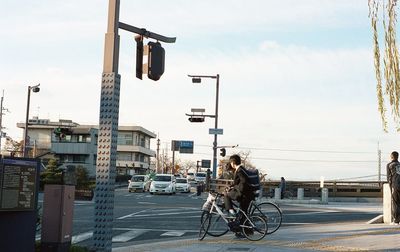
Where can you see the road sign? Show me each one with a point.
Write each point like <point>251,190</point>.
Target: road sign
<point>198,110</point>
<point>205,163</point>
<point>186,147</point>
<point>216,131</point>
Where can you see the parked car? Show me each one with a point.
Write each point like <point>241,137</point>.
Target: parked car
<point>139,183</point>
<point>200,177</point>
<point>163,183</point>
<point>190,176</point>
<point>182,185</point>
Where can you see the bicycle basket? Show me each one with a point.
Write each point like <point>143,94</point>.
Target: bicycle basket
<point>207,205</point>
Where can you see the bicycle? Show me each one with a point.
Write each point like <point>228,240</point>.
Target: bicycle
<point>267,210</point>
<point>253,227</point>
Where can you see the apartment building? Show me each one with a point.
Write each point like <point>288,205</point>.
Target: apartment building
<point>76,145</point>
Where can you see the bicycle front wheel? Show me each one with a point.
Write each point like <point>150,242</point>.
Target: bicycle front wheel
<point>217,226</point>
<point>205,224</point>
<point>272,214</point>
<point>254,228</point>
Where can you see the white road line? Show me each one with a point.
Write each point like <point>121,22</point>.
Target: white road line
<point>130,215</point>
<point>146,203</point>
<point>81,237</point>
<point>162,214</point>
<point>173,233</point>
<point>124,237</point>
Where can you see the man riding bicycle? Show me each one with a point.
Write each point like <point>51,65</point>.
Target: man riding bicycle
<point>240,190</point>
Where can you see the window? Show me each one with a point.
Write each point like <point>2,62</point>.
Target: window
<point>83,139</point>
<point>124,156</point>
<point>79,158</point>
<point>125,138</point>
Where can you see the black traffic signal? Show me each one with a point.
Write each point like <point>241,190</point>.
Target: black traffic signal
<point>156,60</point>
<point>196,119</point>
<point>223,152</point>
<point>139,56</point>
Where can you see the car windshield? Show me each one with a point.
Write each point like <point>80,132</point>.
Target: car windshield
<point>183,181</point>
<point>162,178</point>
<point>138,179</point>
<point>201,175</point>
<point>190,174</point>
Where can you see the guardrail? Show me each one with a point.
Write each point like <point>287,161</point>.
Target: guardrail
<point>368,189</point>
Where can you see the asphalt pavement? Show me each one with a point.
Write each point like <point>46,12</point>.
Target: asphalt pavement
<point>343,236</point>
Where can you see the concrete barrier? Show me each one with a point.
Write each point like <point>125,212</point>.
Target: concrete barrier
<point>324,195</point>
<point>277,193</point>
<point>300,193</point>
<point>387,203</point>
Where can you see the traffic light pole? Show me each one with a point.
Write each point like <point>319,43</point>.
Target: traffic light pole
<point>197,79</point>
<point>214,175</point>
<point>108,129</point>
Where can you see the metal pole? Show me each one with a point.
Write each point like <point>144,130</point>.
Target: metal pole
<point>26,123</point>
<point>108,134</point>
<point>1,119</point>
<point>215,135</point>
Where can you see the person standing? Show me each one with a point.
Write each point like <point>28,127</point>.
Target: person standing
<point>393,177</point>
<point>282,186</point>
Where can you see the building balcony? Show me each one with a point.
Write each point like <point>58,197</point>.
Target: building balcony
<point>135,148</point>
<point>73,148</point>
<point>132,164</point>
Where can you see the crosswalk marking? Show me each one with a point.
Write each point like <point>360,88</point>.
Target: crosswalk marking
<point>81,237</point>
<point>173,233</point>
<point>130,234</point>
<point>124,237</point>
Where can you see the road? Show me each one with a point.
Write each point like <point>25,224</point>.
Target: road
<point>141,217</point>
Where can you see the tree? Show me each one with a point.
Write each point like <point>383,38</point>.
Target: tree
<point>391,59</point>
<point>52,174</point>
<point>14,147</point>
<point>82,177</point>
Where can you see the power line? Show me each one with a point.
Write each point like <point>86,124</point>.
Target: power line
<point>296,150</point>
<point>316,160</point>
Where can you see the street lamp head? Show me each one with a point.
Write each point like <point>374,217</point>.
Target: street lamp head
<point>36,89</point>
<point>196,80</point>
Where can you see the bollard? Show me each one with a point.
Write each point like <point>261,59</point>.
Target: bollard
<point>387,203</point>
<point>324,195</point>
<point>300,193</point>
<point>277,193</point>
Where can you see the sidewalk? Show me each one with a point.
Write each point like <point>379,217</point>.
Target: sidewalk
<point>355,236</point>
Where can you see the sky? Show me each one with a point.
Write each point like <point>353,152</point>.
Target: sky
<point>297,83</point>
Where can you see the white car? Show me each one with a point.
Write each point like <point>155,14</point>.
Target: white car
<point>190,176</point>
<point>200,177</point>
<point>139,183</point>
<point>182,185</point>
<point>163,183</point>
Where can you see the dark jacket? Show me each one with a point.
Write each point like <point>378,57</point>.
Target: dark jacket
<point>241,184</point>
<point>392,175</point>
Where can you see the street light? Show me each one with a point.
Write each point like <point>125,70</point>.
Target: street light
<point>35,89</point>
<point>197,79</point>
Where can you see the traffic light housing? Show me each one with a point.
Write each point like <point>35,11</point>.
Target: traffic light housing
<point>196,119</point>
<point>223,152</point>
<point>156,61</point>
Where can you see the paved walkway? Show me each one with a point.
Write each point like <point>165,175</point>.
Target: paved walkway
<point>353,236</point>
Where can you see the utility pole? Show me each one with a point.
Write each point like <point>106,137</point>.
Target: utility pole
<point>379,164</point>
<point>1,119</point>
<point>158,156</point>
<point>108,128</point>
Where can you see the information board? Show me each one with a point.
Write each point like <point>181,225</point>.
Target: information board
<point>186,147</point>
<point>18,184</point>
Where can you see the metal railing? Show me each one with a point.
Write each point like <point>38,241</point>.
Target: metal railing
<point>368,189</point>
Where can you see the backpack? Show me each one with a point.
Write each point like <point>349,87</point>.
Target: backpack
<point>253,179</point>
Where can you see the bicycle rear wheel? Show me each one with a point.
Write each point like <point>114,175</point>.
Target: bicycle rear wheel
<point>272,214</point>
<point>205,224</point>
<point>254,228</point>
<point>217,227</point>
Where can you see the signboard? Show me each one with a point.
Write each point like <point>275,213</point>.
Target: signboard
<point>175,145</point>
<point>186,147</point>
<point>216,131</point>
<point>205,163</point>
<point>18,184</point>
